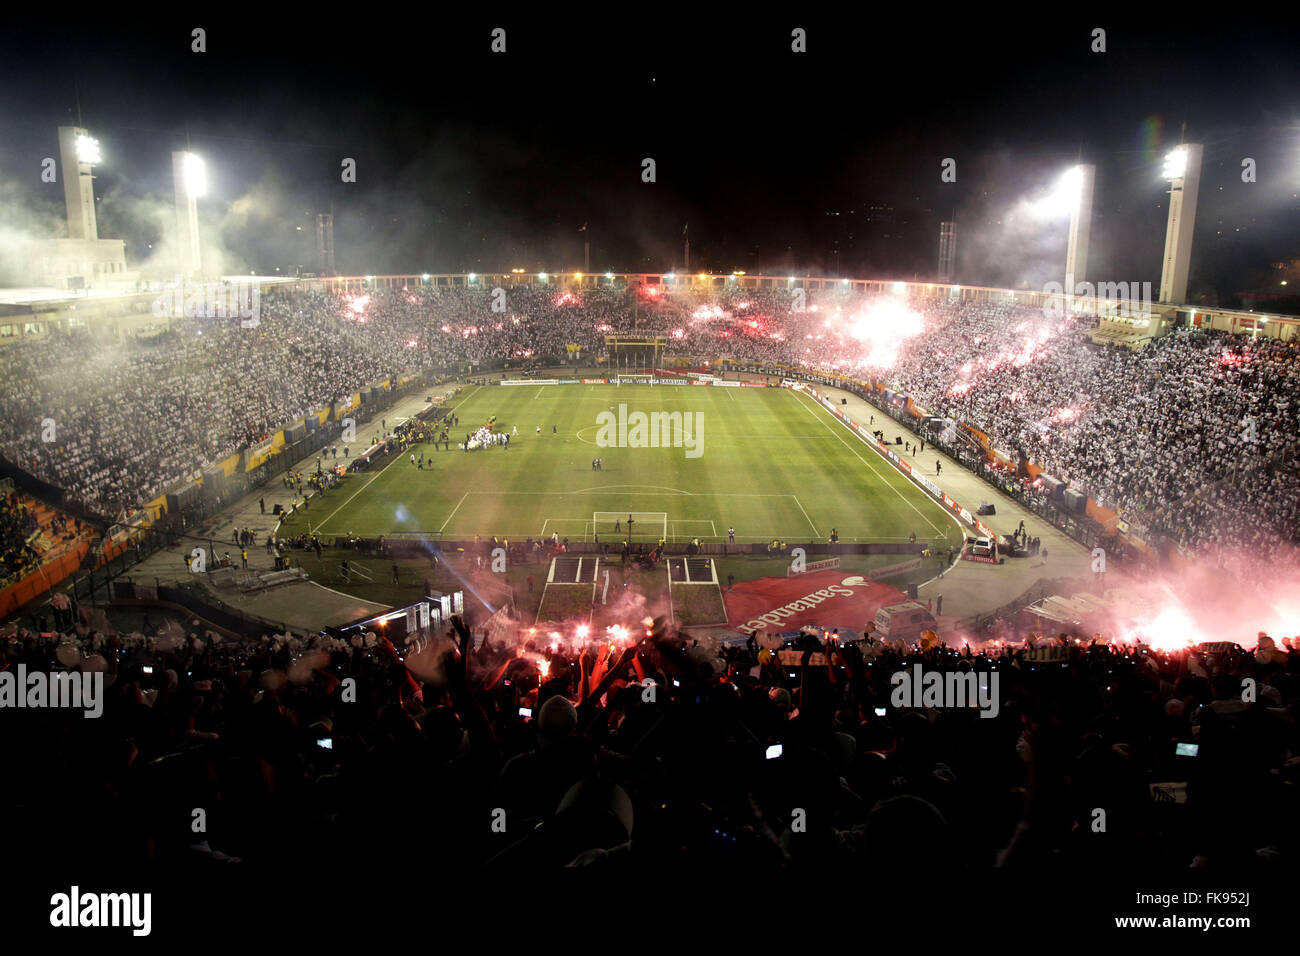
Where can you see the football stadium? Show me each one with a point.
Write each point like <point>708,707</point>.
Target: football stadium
<point>792,555</point>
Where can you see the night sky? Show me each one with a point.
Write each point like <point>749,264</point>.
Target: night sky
<point>474,161</point>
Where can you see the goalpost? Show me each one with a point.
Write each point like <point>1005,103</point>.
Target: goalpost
<point>634,379</point>
<point>646,525</point>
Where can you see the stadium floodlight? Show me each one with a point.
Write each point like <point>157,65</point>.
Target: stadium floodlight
<point>190,180</point>
<point>1063,199</point>
<point>87,150</point>
<point>577,275</point>
<point>1071,181</point>
<point>1183,171</point>
<point>77,152</point>
<point>542,276</point>
<point>425,277</point>
<point>472,277</point>
<point>900,287</point>
<point>196,176</point>
<point>609,275</point>
<point>1175,164</point>
<point>670,277</point>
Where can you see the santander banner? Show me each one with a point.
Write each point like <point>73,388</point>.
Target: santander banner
<point>828,598</point>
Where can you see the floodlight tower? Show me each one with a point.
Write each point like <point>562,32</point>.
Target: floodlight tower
<point>1080,180</point>
<point>77,151</point>
<point>325,241</point>
<point>947,249</point>
<point>190,177</point>
<point>1183,170</point>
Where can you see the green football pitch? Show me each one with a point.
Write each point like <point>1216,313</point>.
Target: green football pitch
<point>771,463</point>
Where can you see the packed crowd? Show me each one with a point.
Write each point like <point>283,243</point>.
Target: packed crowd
<point>17,524</point>
<point>114,425</point>
<point>662,749</point>
<point>1205,421</point>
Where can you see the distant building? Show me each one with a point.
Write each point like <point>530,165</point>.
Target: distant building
<point>75,263</point>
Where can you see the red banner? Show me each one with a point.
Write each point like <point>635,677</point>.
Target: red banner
<point>826,598</point>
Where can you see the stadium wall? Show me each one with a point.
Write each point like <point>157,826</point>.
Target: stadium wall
<point>41,580</point>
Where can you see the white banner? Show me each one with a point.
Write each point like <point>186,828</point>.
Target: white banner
<point>893,569</point>
<point>1051,654</point>
<point>530,381</point>
<point>814,566</point>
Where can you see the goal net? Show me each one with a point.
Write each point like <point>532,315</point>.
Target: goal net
<point>646,525</point>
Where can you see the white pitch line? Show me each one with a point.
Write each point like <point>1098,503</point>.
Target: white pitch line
<point>320,528</point>
<point>824,424</point>
<point>453,511</point>
<point>540,389</point>
<point>647,494</point>
<point>816,533</point>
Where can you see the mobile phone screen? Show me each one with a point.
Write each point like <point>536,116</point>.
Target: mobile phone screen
<point>1186,750</point>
